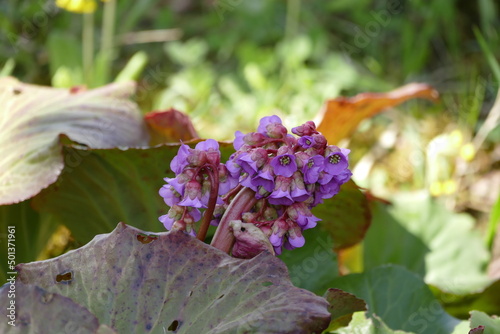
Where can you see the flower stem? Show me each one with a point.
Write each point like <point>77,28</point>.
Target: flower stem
<point>88,47</point>
<point>292,18</point>
<point>213,173</point>
<point>242,202</point>
<point>108,30</point>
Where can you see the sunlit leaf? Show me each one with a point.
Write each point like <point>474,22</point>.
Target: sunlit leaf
<point>33,117</point>
<point>360,324</point>
<point>175,282</point>
<point>342,115</point>
<point>400,298</point>
<point>491,324</point>
<point>421,234</point>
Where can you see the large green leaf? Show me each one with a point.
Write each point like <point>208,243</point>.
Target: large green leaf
<point>31,233</point>
<point>400,298</point>
<point>136,282</point>
<point>101,187</point>
<point>346,216</point>
<point>32,118</point>
<point>313,265</point>
<point>387,241</point>
<point>417,227</point>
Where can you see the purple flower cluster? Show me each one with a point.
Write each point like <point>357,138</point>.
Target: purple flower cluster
<point>289,175</point>
<point>190,190</point>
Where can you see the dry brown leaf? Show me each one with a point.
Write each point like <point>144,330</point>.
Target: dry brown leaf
<point>169,127</point>
<point>341,116</point>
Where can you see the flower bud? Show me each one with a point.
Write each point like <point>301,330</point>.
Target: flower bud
<point>197,158</point>
<point>254,139</point>
<point>319,141</point>
<point>306,129</point>
<point>213,157</point>
<point>249,217</point>
<point>192,195</point>
<point>275,130</point>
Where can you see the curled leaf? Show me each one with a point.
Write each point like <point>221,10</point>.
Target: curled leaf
<point>33,118</point>
<point>342,115</point>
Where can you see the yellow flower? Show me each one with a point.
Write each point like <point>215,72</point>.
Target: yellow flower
<point>449,187</point>
<point>467,152</point>
<point>436,188</point>
<point>77,6</point>
<point>456,138</point>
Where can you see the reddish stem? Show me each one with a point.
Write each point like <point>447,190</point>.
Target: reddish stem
<point>242,202</point>
<point>213,174</point>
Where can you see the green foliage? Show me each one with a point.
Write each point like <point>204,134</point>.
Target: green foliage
<point>32,231</point>
<point>346,216</point>
<point>312,266</point>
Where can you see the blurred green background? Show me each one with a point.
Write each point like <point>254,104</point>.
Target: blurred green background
<point>227,63</point>
<point>241,60</point>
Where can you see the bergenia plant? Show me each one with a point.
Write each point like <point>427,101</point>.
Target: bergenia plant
<point>261,198</point>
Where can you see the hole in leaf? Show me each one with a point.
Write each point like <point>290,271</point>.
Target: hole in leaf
<point>190,293</point>
<point>221,296</point>
<point>145,238</point>
<point>243,229</point>
<point>173,326</point>
<point>65,277</point>
<point>17,91</point>
<point>267,283</point>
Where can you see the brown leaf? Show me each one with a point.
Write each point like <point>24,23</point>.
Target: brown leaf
<point>169,127</point>
<point>341,116</point>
